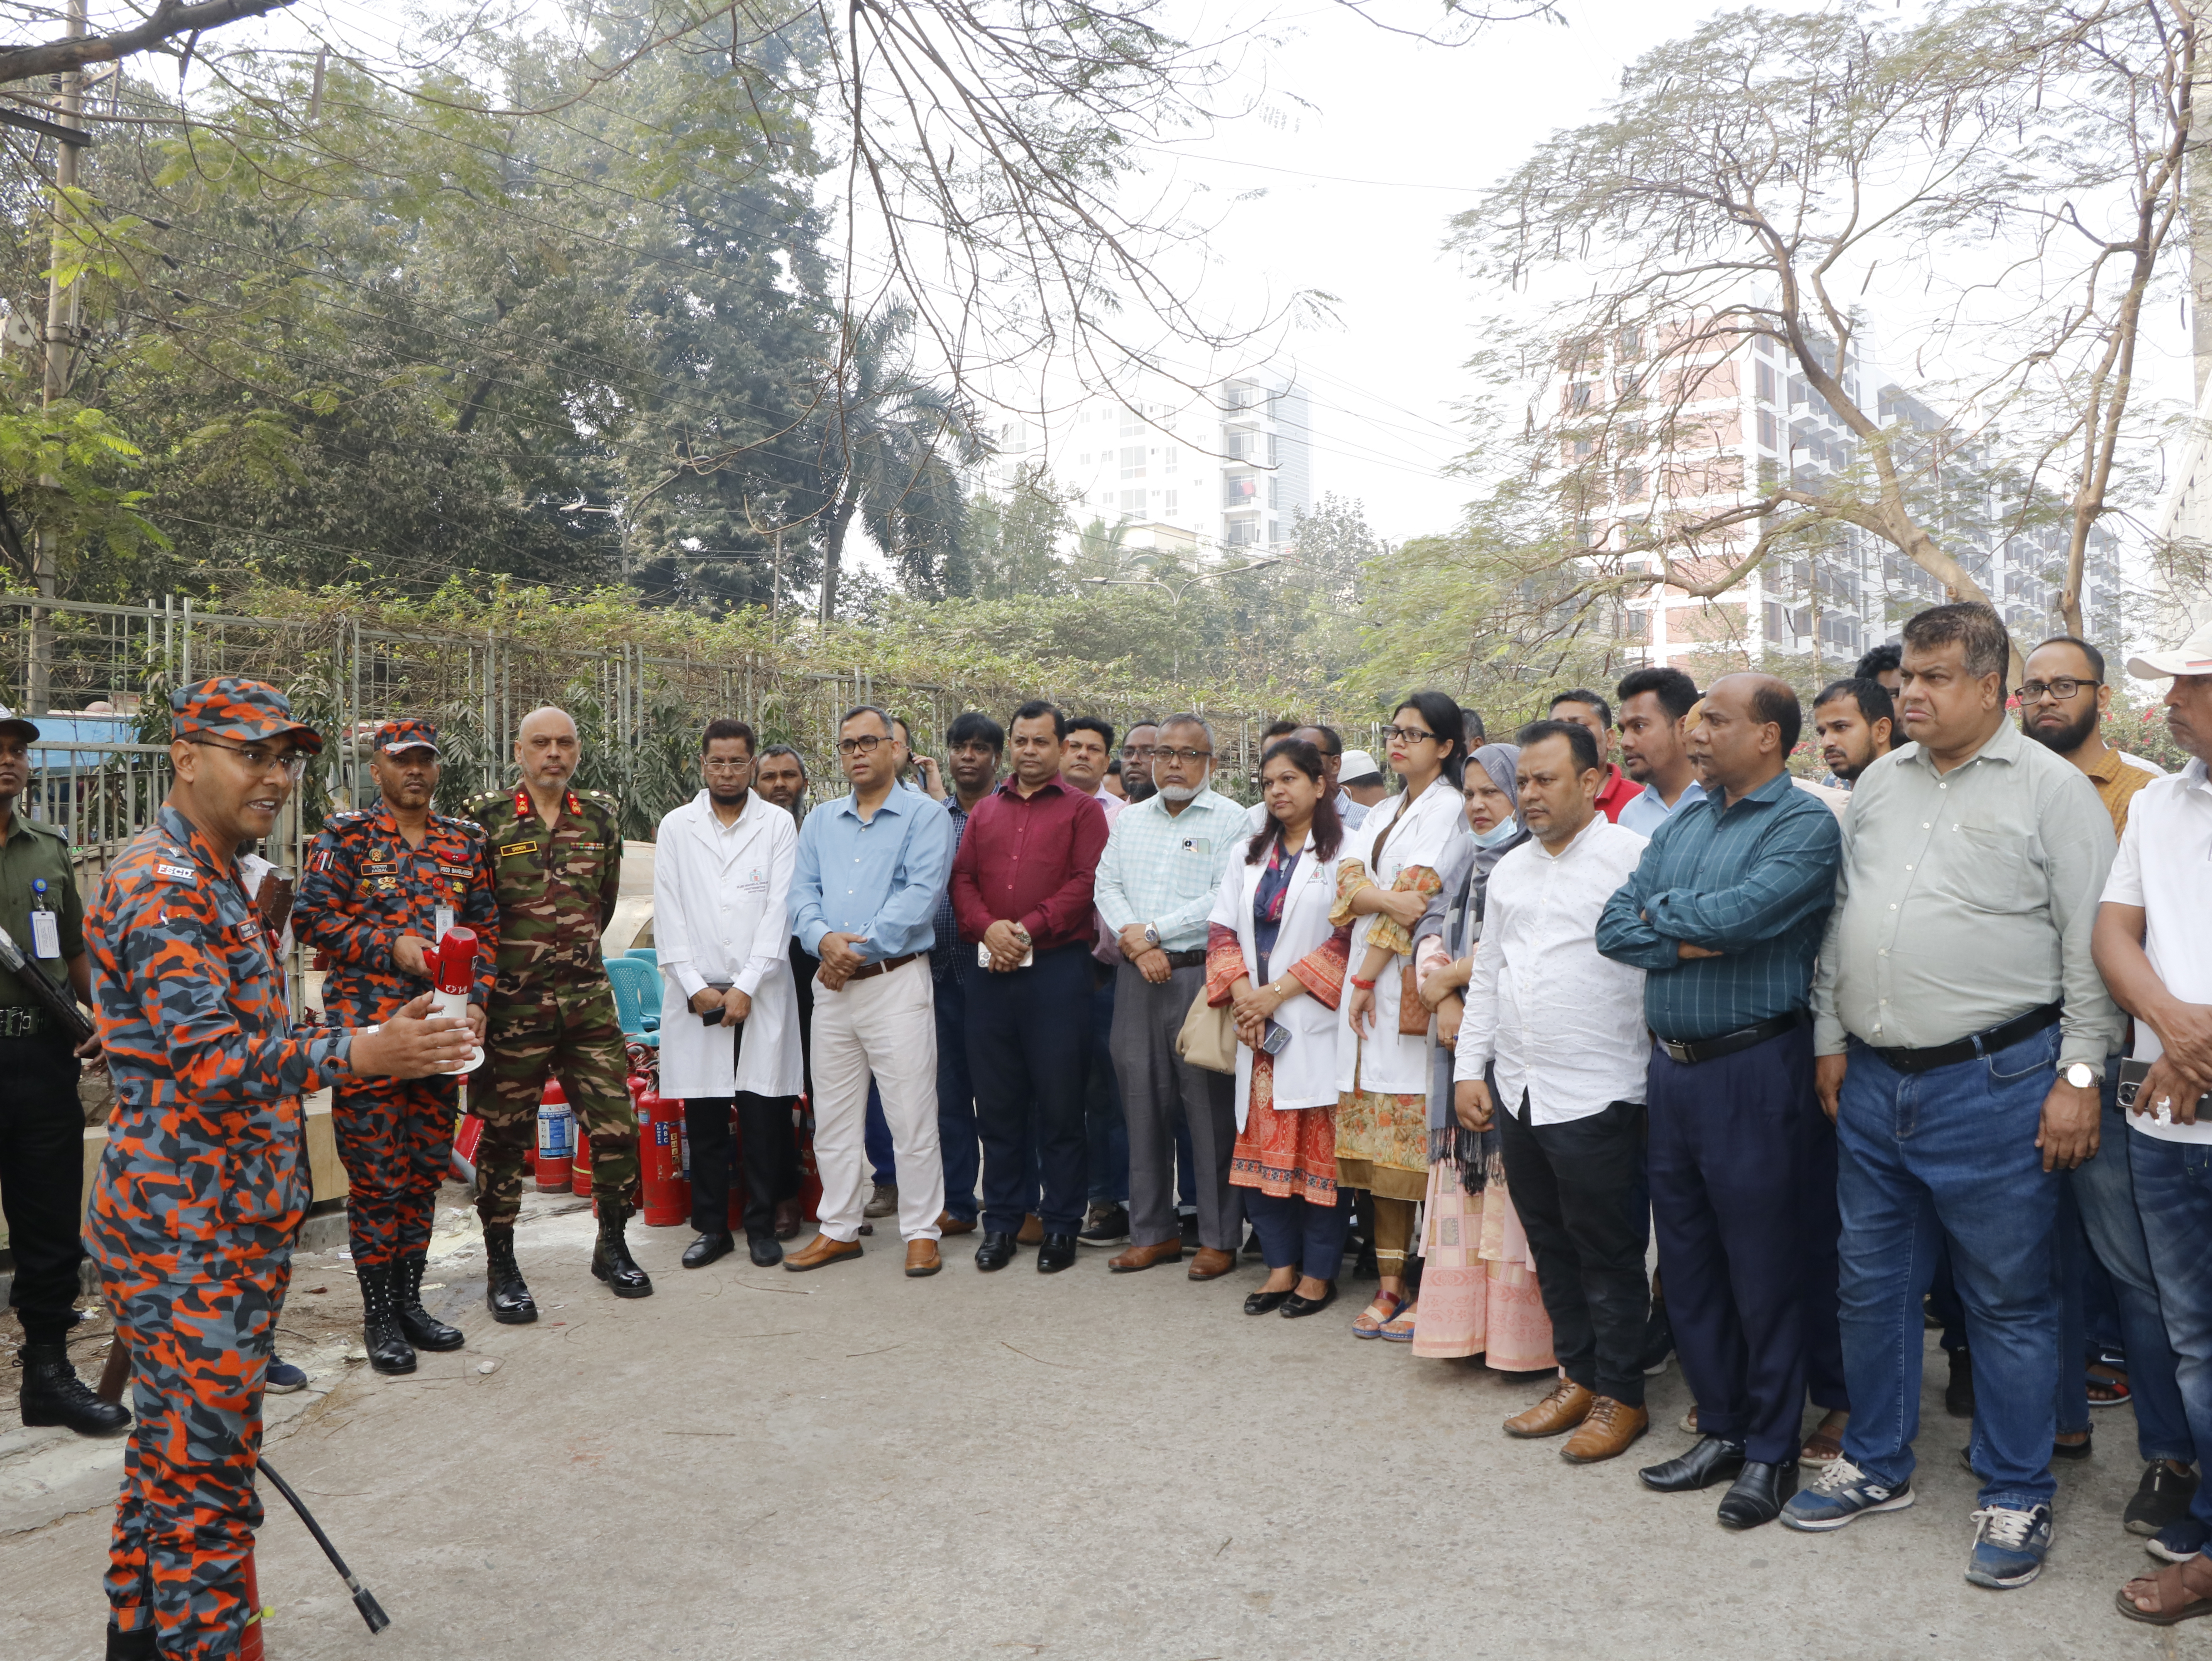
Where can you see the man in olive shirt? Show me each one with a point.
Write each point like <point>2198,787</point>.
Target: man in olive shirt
<point>1961,1029</point>
<point>41,1124</point>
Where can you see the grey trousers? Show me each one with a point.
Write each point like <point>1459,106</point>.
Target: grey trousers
<point>1154,1081</point>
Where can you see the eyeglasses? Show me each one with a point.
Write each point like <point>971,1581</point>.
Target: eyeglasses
<point>863,746</point>
<point>292,762</point>
<point>1133,750</point>
<point>1165,754</point>
<point>1406,734</point>
<point>720,766</point>
<point>2061,687</point>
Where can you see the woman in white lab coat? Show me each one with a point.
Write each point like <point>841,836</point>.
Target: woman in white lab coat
<point>1274,956</point>
<point>1390,869</point>
<point>720,926</point>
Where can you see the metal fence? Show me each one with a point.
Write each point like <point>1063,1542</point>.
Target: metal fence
<point>639,714</point>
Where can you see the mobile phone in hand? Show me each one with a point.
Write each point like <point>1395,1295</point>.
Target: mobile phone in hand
<point>1276,1039</point>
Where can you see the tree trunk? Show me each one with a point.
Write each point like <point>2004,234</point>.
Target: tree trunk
<point>833,549</point>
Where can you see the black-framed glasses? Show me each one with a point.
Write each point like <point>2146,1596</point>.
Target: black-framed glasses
<point>294,762</point>
<point>1406,734</point>
<point>718,765</point>
<point>1165,754</point>
<point>2061,687</point>
<point>863,746</point>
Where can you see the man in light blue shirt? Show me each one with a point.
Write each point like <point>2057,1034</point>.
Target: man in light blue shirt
<point>1654,746</point>
<point>1155,884</point>
<point>863,899</point>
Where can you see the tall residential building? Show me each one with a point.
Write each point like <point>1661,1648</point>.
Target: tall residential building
<point>1230,470</point>
<point>1737,417</point>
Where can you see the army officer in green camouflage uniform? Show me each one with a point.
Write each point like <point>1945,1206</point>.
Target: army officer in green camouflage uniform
<point>555,861</point>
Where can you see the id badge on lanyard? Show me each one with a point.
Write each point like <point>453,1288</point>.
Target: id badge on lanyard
<point>444,925</point>
<point>45,927</point>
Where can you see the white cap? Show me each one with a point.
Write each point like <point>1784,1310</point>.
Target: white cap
<point>1357,765</point>
<point>2192,657</point>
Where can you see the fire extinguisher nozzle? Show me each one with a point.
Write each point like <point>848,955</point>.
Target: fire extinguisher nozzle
<point>371,1610</point>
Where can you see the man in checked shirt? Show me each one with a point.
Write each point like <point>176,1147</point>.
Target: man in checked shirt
<point>205,1179</point>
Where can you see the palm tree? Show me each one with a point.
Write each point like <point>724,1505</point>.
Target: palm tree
<point>890,447</point>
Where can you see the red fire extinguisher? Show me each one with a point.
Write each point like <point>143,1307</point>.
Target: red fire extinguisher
<point>249,1643</point>
<point>556,1140</point>
<point>662,1164</point>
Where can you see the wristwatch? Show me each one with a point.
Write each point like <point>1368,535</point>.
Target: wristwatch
<point>1151,935</point>
<point>2079,1074</point>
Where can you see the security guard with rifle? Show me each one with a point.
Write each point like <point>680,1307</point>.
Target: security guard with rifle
<point>42,1034</point>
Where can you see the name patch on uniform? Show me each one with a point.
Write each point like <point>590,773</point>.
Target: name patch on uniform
<point>517,848</point>
<point>453,870</point>
<point>180,873</point>
<point>378,870</point>
<point>250,929</point>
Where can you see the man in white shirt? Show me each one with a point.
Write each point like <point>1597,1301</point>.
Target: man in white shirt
<point>2154,951</point>
<point>729,1036</point>
<point>1563,1028</point>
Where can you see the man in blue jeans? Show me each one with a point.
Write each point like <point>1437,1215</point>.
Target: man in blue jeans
<point>2156,954</point>
<point>1961,1030</point>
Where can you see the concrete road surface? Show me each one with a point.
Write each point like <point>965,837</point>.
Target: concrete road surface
<point>849,1464</point>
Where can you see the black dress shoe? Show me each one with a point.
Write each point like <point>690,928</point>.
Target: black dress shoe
<point>995,1252</point>
<point>53,1394</point>
<point>766,1253</point>
<point>1054,1253</point>
<point>1758,1493</point>
<point>1266,1303</point>
<point>1711,1461</point>
<point>708,1247</point>
<point>1294,1306</point>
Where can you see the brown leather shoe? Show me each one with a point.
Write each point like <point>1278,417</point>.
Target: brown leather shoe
<point>1607,1433</point>
<point>948,1223</point>
<point>786,1219</point>
<point>1212,1265</point>
<point>1567,1405</point>
<point>921,1258</point>
<point>820,1251</point>
<point>1144,1256</point>
<point>1032,1230</point>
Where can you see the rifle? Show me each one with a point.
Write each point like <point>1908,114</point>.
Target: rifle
<point>57,1002</point>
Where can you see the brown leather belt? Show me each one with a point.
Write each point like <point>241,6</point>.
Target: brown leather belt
<point>882,968</point>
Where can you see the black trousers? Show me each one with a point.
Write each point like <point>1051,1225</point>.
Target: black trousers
<point>42,1181</point>
<point>1579,1189</point>
<point>805,965</point>
<point>1028,1053</point>
<point>764,1148</point>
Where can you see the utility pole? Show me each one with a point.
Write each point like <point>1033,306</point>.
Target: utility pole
<point>775,587</point>
<point>65,304</point>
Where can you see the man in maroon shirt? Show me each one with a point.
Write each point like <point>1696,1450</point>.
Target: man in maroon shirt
<point>1021,891</point>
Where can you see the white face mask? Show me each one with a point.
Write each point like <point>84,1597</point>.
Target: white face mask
<point>1498,832</point>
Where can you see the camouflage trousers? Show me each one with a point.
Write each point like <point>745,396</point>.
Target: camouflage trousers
<point>572,1035</point>
<point>396,1140</point>
<point>186,1518</point>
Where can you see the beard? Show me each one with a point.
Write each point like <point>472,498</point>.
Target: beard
<point>1181,792</point>
<point>727,798</point>
<point>2067,738</point>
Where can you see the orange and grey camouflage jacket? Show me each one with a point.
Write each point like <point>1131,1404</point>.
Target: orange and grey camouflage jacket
<point>205,1151</point>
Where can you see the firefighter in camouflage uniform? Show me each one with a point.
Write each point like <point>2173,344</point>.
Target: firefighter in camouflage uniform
<point>381,889</point>
<point>555,856</point>
<point>205,1178</point>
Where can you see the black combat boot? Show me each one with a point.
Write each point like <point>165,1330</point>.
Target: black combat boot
<point>388,1348</point>
<point>137,1646</point>
<point>505,1294</point>
<point>423,1330</point>
<point>53,1394</point>
<point>611,1258</point>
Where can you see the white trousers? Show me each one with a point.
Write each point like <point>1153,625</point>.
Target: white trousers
<point>885,1025</point>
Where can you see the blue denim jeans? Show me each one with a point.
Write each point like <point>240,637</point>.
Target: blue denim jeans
<point>1951,1151</point>
<point>2173,1193</point>
<point>2104,1191</point>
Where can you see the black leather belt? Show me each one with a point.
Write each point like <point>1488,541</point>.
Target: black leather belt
<point>869,971</point>
<point>1691,1052</point>
<point>1189,960</point>
<point>1977,1044</point>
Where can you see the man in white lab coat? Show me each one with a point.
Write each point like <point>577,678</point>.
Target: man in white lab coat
<point>729,1027</point>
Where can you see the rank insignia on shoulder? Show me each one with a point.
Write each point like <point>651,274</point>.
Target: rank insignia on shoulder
<point>517,848</point>
<point>178,873</point>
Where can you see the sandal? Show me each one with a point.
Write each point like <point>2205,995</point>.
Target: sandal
<point>1398,1329</point>
<point>2107,1385</point>
<point>2168,1613</point>
<point>1368,1324</point>
<point>1823,1447</point>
